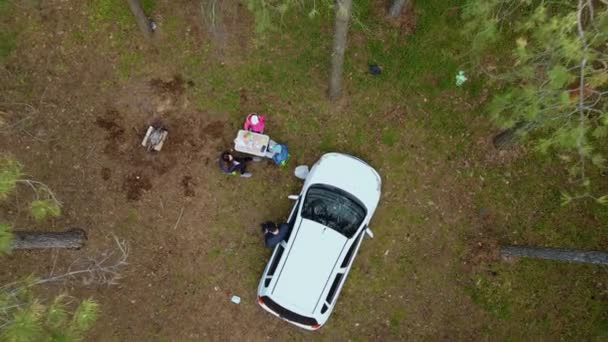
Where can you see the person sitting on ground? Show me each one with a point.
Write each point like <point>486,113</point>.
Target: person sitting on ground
<point>231,164</point>
<point>273,235</point>
<point>254,123</point>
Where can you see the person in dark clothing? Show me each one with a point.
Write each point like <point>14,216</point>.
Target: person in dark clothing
<point>273,235</point>
<point>231,164</point>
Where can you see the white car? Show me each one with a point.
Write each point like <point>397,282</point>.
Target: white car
<point>306,271</point>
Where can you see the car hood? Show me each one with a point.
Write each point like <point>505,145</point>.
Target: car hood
<point>349,174</point>
<point>308,267</point>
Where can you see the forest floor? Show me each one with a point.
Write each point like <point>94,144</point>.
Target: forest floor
<point>79,86</point>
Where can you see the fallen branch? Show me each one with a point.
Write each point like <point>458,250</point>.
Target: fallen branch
<point>103,270</point>
<point>178,219</point>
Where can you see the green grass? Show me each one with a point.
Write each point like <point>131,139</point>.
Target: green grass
<point>128,225</point>
<point>8,33</point>
<point>130,64</point>
<point>8,42</point>
<point>539,297</point>
<point>493,297</point>
<point>118,12</point>
<point>395,321</point>
<point>389,136</point>
<point>529,193</point>
<point>78,37</point>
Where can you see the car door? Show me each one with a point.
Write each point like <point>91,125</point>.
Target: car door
<point>292,218</point>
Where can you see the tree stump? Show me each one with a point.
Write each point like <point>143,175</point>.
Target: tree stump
<point>71,239</point>
<point>508,137</point>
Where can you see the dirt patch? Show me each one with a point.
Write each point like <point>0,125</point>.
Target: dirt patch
<point>115,132</point>
<point>483,250</point>
<point>109,123</point>
<point>106,173</point>
<point>174,86</point>
<point>188,186</point>
<point>406,22</point>
<point>135,185</point>
<point>161,104</point>
<point>214,130</point>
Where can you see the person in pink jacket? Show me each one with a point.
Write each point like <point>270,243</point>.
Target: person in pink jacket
<point>254,123</point>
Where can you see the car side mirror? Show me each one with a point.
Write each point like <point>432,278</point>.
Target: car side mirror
<point>369,232</point>
<point>293,197</point>
<point>301,172</point>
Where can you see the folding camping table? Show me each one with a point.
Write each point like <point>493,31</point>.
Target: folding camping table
<point>251,143</point>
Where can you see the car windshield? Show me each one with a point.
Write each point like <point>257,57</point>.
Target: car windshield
<point>333,208</point>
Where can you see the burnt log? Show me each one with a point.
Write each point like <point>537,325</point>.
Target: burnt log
<point>71,239</point>
<point>559,254</point>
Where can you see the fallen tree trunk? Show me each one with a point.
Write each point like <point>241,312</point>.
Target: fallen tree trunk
<point>560,254</point>
<point>71,239</point>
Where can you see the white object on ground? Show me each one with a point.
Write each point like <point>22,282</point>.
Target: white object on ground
<point>301,172</point>
<point>155,138</point>
<point>460,78</point>
<point>235,299</point>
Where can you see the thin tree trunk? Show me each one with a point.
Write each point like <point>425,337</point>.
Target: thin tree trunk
<point>343,9</point>
<point>396,7</point>
<point>560,254</point>
<point>72,239</point>
<point>140,17</point>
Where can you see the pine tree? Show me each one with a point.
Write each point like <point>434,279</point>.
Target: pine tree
<point>553,85</point>
<point>45,204</point>
<point>23,316</point>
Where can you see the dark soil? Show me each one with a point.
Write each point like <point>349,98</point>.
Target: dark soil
<point>174,86</point>
<point>135,185</point>
<point>188,185</point>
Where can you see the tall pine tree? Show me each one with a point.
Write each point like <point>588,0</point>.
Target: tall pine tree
<point>553,84</point>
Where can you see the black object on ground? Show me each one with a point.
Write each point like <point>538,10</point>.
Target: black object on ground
<point>375,69</point>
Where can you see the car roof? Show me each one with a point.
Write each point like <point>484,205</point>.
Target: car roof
<point>309,265</point>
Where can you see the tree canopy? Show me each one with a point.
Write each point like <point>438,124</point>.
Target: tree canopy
<point>553,83</point>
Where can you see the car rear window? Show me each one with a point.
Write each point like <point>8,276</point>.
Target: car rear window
<point>333,208</point>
